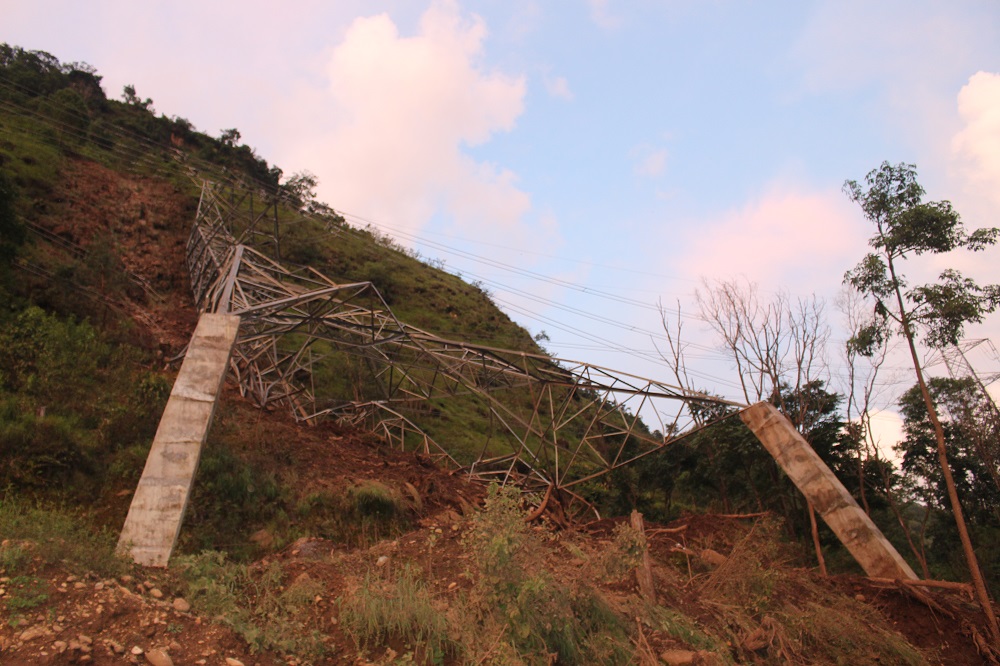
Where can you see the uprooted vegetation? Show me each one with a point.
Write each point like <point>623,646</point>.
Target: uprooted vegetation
<point>486,587</point>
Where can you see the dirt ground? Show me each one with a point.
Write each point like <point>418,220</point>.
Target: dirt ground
<point>124,620</point>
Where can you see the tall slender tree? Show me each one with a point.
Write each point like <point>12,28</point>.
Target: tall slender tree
<point>905,225</point>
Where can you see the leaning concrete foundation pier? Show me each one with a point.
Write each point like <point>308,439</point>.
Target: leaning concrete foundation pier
<point>157,510</point>
<point>826,493</point>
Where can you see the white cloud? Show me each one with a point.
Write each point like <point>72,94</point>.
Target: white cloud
<point>602,16</point>
<point>976,148</point>
<point>973,184</point>
<point>901,44</point>
<point>558,87</point>
<point>785,239</point>
<point>900,59</point>
<point>887,431</point>
<point>399,112</point>
<point>648,161</point>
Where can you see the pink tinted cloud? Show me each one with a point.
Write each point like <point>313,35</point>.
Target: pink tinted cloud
<point>397,114</point>
<point>785,239</point>
<point>976,148</point>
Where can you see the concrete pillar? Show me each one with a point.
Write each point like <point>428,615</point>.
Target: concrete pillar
<point>826,493</point>
<point>154,519</point>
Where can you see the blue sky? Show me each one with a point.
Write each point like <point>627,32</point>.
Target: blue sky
<point>627,148</point>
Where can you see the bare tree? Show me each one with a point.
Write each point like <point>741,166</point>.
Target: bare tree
<point>674,355</point>
<point>778,346</point>
<point>774,343</point>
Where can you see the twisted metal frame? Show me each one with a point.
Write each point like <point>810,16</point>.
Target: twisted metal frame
<point>560,422</point>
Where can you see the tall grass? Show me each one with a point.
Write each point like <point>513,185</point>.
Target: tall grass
<point>538,616</point>
<point>397,605</point>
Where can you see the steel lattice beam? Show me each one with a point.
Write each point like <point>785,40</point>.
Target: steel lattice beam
<point>582,420</point>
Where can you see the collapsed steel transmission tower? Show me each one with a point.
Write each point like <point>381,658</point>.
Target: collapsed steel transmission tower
<point>554,422</point>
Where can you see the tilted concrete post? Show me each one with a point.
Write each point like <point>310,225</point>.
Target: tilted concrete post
<point>826,493</point>
<point>154,519</point>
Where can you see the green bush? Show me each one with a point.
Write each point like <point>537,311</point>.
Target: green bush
<point>383,277</point>
<point>231,499</point>
<point>136,418</point>
<point>50,358</point>
<point>39,450</point>
<point>376,501</point>
<point>360,515</point>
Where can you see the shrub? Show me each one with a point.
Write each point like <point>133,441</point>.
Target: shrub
<point>513,590</point>
<point>53,359</point>
<point>38,450</point>
<point>360,515</point>
<point>231,498</point>
<point>377,501</point>
<point>13,557</point>
<point>383,277</point>
<point>389,605</point>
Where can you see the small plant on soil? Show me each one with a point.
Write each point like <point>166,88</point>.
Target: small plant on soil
<point>396,605</point>
<point>533,614</point>
<point>253,601</point>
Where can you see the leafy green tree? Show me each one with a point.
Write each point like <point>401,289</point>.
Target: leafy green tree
<point>300,188</point>
<point>905,225</point>
<point>971,440</point>
<point>32,72</point>
<point>973,468</point>
<point>132,99</point>
<point>230,137</point>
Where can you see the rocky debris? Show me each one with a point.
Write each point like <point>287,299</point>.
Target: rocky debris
<point>677,657</point>
<point>712,557</point>
<point>159,657</point>
<point>86,619</point>
<point>36,631</point>
<point>263,538</point>
<point>699,658</point>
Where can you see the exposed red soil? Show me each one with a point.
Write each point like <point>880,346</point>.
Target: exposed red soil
<point>145,221</point>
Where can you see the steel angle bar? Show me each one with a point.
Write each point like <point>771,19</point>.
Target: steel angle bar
<point>294,299</point>
<point>279,303</point>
